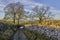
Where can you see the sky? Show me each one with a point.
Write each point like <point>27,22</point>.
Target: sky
<point>29,4</point>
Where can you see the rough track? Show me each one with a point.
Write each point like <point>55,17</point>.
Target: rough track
<point>19,35</point>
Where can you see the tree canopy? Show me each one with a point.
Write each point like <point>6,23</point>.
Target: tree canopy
<point>14,11</point>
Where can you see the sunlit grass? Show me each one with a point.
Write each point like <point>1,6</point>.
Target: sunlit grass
<point>52,23</point>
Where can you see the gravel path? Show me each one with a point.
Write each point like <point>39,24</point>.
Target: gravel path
<point>19,35</point>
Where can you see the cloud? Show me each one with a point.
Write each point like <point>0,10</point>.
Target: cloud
<point>2,7</point>
<point>28,5</point>
<point>1,15</point>
<point>2,10</point>
<point>57,12</point>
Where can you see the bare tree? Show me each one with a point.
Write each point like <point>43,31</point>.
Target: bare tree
<point>13,11</point>
<point>9,12</point>
<point>42,12</point>
<point>19,11</point>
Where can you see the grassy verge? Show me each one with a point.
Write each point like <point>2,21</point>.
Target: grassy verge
<point>7,34</point>
<point>33,36</point>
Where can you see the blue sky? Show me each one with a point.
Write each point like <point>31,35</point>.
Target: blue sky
<point>29,4</point>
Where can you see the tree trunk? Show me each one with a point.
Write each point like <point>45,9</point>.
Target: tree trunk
<point>14,18</point>
<point>18,19</point>
<point>40,20</point>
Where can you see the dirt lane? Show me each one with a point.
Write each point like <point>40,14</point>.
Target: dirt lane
<point>19,35</point>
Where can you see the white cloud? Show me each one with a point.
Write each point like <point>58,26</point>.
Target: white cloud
<point>57,12</point>
<point>1,10</point>
<point>28,5</point>
<point>2,7</point>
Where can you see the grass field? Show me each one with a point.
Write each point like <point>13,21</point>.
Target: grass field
<point>52,23</point>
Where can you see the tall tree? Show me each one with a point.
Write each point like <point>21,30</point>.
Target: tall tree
<point>10,12</point>
<point>13,11</point>
<point>42,12</point>
<point>19,10</point>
